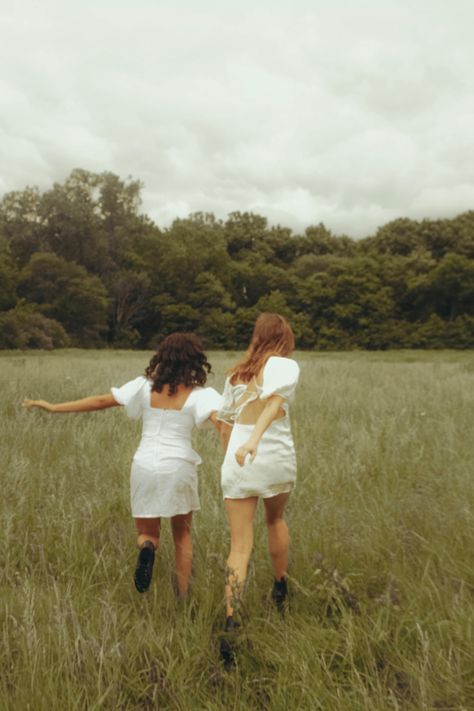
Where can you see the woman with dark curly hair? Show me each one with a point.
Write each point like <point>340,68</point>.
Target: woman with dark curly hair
<point>171,399</point>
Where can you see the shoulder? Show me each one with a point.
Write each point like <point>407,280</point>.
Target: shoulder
<point>279,377</point>
<point>141,380</point>
<point>132,387</point>
<point>202,402</point>
<point>200,395</point>
<point>133,395</point>
<point>287,368</point>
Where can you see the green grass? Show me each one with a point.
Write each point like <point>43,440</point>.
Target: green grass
<point>382,570</point>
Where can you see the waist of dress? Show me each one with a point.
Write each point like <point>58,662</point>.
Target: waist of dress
<point>280,421</point>
<point>158,450</point>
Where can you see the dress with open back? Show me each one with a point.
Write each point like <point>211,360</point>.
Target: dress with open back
<point>163,478</point>
<point>273,471</point>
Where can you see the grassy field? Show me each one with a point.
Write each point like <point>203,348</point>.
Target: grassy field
<point>382,526</point>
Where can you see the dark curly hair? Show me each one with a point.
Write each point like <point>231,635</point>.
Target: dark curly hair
<point>179,360</point>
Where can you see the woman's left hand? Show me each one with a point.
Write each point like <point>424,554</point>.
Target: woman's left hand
<point>244,451</point>
<point>41,404</point>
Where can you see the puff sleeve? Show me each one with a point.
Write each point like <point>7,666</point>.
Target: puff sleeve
<point>280,377</point>
<point>205,403</point>
<point>131,395</point>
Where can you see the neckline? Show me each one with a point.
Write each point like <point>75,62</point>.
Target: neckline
<point>245,385</point>
<point>170,409</point>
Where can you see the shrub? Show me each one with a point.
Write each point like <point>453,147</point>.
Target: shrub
<point>23,327</point>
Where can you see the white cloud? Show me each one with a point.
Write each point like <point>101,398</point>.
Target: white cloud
<point>350,113</point>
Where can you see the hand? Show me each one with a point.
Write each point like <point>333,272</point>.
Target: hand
<point>41,404</point>
<point>243,452</point>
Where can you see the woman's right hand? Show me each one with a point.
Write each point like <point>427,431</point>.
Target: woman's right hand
<point>40,404</point>
<point>246,450</point>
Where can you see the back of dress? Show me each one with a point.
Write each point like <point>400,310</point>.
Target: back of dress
<point>279,376</point>
<point>273,471</point>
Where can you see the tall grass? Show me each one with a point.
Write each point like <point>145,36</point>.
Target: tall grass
<point>382,569</point>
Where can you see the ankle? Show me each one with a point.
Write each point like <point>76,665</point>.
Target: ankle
<point>230,623</point>
<point>147,543</point>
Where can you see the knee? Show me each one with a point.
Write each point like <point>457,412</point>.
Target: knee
<point>181,532</point>
<point>272,521</point>
<point>241,548</point>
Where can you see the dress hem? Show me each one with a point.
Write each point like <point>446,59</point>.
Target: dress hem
<point>166,515</point>
<point>266,494</point>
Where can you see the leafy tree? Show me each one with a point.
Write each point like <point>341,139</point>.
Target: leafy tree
<point>72,226</point>
<point>284,246</point>
<point>447,290</point>
<point>83,255</point>
<point>8,277</point>
<point>174,317</point>
<point>443,236</point>
<point>187,249</point>
<point>128,293</point>
<point>319,240</point>
<point>399,237</point>
<point>64,291</point>
<point>246,235</point>
<point>217,329</point>
<point>21,223</point>
<point>209,293</point>
<point>250,281</point>
<point>437,333</point>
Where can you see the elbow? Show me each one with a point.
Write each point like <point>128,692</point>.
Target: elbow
<point>273,410</point>
<point>104,401</point>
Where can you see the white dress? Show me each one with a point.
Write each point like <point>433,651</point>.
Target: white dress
<point>273,471</point>
<point>164,468</point>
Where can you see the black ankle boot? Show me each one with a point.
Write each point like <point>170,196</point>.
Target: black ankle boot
<point>280,594</point>
<point>144,569</point>
<point>227,643</point>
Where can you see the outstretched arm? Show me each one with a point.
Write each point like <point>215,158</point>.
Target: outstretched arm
<point>87,404</point>
<point>268,415</point>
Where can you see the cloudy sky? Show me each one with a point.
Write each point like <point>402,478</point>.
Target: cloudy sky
<point>349,112</point>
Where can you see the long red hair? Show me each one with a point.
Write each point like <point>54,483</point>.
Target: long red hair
<point>272,336</point>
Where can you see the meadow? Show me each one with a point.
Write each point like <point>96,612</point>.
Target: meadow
<point>382,570</point>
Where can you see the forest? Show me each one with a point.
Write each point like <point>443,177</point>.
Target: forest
<point>82,266</point>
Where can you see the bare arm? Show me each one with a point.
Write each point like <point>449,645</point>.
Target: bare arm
<point>225,430</point>
<point>86,404</point>
<point>268,415</point>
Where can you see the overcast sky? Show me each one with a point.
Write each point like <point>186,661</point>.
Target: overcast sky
<point>349,112</point>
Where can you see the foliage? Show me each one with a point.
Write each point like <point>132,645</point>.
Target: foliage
<point>85,256</point>
<point>24,327</point>
<point>65,291</point>
<point>8,277</point>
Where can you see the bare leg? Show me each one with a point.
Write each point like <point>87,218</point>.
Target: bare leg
<point>148,529</point>
<point>183,544</point>
<point>240,513</point>
<point>278,536</point>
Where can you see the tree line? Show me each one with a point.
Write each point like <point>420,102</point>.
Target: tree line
<point>82,266</point>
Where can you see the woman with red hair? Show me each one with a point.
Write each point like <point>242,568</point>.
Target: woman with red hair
<point>260,460</point>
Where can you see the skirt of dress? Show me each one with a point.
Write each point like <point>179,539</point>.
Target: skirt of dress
<point>272,472</point>
<point>169,488</point>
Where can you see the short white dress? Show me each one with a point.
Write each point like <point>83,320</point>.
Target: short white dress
<point>273,471</point>
<point>164,468</point>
